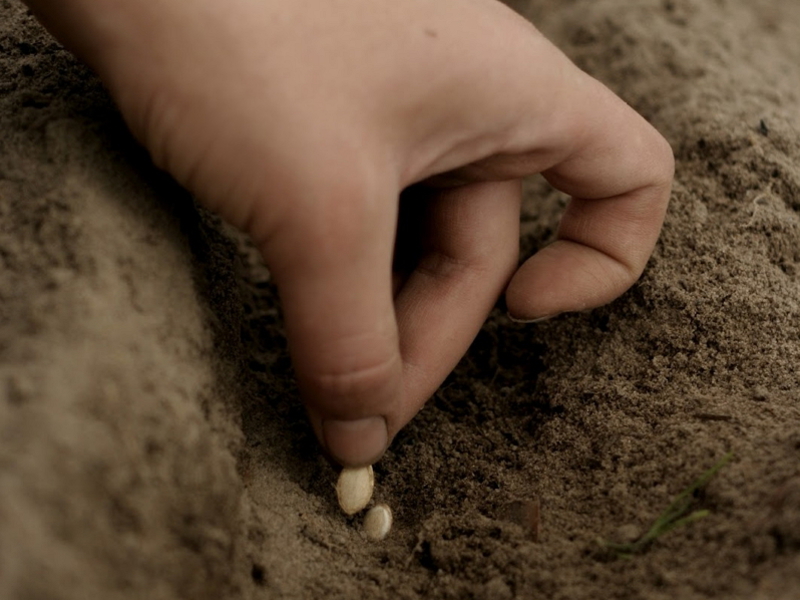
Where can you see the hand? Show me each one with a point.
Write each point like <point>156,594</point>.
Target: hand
<point>302,122</point>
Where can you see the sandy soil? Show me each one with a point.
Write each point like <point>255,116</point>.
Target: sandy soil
<point>151,442</point>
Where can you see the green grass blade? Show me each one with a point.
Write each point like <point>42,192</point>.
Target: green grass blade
<point>675,515</point>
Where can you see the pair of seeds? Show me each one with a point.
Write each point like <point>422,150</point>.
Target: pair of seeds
<point>354,491</point>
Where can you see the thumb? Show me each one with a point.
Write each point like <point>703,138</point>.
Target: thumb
<point>331,258</point>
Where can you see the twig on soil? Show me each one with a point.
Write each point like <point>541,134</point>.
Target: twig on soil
<point>676,515</point>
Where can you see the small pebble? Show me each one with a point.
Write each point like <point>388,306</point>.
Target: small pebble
<point>628,533</point>
<point>526,514</point>
<point>760,393</point>
<point>497,589</point>
<point>378,522</point>
<point>354,488</point>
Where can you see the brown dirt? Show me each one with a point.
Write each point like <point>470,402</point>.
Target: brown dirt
<point>151,442</point>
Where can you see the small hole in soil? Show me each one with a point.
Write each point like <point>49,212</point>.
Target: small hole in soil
<point>257,573</point>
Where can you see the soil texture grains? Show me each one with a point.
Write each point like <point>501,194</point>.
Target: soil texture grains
<point>151,440</point>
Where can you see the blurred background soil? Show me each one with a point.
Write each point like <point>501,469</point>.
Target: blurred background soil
<point>151,440</point>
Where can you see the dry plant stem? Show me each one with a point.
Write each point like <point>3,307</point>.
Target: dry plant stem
<point>676,515</point>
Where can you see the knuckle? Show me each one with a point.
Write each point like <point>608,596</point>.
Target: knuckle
<point>354,388</point>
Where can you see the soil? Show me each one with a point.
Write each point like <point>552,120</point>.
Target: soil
<point>152,444</point>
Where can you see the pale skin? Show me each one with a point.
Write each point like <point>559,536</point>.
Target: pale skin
<point>301,121</point>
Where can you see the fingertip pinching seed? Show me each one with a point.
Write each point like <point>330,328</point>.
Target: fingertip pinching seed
<point>354,488</point>
<point>378,522</point>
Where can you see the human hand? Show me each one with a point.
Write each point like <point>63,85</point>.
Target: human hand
<point>302,122</point>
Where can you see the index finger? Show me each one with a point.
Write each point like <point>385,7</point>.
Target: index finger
<point>619,176</point>
<point>557,120</point>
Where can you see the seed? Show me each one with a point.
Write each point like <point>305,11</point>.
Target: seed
<point>354,489</point>
<point>378,522</point>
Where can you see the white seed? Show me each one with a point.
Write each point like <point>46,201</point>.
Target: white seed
<point>354,488</point>
<point>378,522</point>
